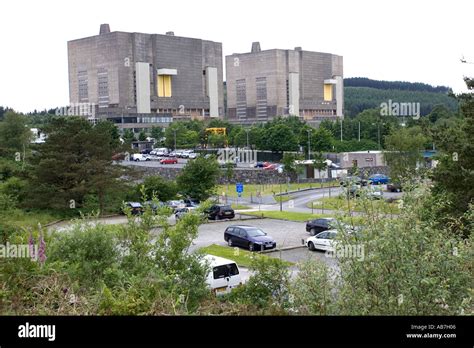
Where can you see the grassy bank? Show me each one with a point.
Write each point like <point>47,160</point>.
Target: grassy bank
<point>356,204</point>
<point>270,189</point>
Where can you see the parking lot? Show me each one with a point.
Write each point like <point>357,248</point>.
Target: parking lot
<point>285,233</point>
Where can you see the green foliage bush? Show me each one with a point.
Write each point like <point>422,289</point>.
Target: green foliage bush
<point>86,252</point>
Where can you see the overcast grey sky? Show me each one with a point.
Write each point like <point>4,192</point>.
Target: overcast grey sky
<point>417,41</point>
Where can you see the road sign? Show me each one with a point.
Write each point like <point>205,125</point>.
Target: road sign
<point>239,187</point>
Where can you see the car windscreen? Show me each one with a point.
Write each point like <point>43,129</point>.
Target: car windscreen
<point>254,232</point>
<point>224,271</point>
<point>226,207</point>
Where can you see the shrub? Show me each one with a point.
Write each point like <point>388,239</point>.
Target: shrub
<point>87,252</point>
<point>268,286</point>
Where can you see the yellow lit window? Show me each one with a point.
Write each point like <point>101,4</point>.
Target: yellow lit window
<point>327,92</point>
<point>164,86</point>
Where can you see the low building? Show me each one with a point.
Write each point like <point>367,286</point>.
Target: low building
<point>362,159</point>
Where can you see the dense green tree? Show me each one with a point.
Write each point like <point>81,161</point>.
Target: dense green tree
<point>185,138</point>
<point>74,161</point>
<point>142,136</point>
<point>15,136</point>
<point>290,167</point>
<point>128,136</point>
<point>454,175</point>
<point>216,140</point>
<point>157,133</point>
<point>156,186</point>
<point>404,150</point>
<point>280,137</point>
<point>198,179</point>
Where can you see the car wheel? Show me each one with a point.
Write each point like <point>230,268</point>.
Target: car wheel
<point>230,242</point>
<point>312,232</point>
<point>311,246</point>
<point>251,247</point>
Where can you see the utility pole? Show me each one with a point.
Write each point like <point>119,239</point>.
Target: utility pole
<point>309,143</point>
<point>359,130</point>
<point>281,202</point>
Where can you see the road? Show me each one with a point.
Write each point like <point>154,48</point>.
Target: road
<point>181,163</point>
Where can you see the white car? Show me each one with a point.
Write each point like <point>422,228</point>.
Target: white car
<point>224,274</point>
<point>322,241</point>
<point>140,157</point>
<point>192,155</point>
<point>187,154</point>
<point>162,151</point>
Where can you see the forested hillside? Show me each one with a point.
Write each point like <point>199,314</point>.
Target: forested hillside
<point>362,93</point>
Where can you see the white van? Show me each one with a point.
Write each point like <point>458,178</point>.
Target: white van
<point>161,151</point>
<point>224,274</point>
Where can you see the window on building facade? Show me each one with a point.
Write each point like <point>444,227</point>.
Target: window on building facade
<point>83,86</point>
<point>241,92</point>
<point>103,88</point>
<point>164,86</point>
<point>261,84</point>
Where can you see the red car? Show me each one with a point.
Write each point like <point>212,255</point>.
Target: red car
<point>170,160</point>
<point>270,167</point>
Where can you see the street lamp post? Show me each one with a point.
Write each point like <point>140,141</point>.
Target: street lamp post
<point>281,202</point>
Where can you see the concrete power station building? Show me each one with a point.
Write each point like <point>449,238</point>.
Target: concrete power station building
<point>139,80</point>
<point>276,82</point>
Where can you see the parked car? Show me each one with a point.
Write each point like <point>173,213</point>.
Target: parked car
<point>271,166</point>
<point>394,187</point>
<point>224,274</point>
<point>180,212</point>
<point>160,151</point>
<point>171,154</point>
<point>186,153</point>
<point>140,157</point>
<point>249,237</point>
<point>136,208</point>
<point>378,179</point>
<point>322,241</point>
<point>175,204</point>
<point>192,155</point>
<point>154,205</point>
<point>216,212</point>
<point>179,153</point>
<point>169,160</point>
<point>145,151</point>
<point>319,225</point>
<point>374,194</point>
<point>353,180</point>
<point>189,202</point>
